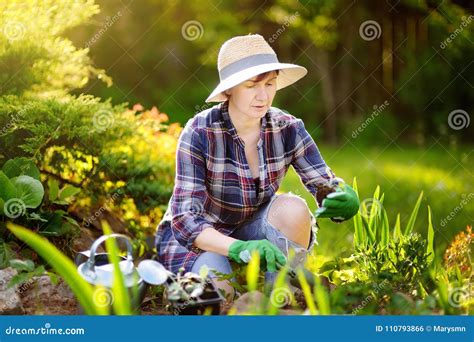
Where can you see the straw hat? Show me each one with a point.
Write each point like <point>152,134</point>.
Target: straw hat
<point>244,57</point>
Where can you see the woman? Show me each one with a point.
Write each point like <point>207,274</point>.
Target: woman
<point>230,161</point>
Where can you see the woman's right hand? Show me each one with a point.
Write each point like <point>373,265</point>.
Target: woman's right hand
<point>271,258</point>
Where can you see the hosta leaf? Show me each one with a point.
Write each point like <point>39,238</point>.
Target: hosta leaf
<point>21,166</point>
<point>29,190</point>
<point>7,188</point>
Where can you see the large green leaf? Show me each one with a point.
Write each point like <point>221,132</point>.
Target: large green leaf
<point>7,188</point>
<point>21,166</point>
<point>29,190</point>
<point>63,265</point>
<point>68,191</point>
<point>53,189</point>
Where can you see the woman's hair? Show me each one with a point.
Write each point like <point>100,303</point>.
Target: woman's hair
<point>258,78</point>
<point>265,74</point>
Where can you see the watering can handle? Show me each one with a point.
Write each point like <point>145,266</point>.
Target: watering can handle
<point>91,262</point>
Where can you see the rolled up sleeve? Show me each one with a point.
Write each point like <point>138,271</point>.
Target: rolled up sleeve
<point>307,160</point>
<point>189,194</point>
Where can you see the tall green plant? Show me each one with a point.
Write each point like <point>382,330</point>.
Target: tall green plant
<point>371,224</point>
<point>63,265</point>
<point>84,291</point>
<point>401,255</point>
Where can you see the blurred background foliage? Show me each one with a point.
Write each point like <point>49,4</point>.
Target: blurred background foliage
<point>111,161</point>
<point>151,63</point>
<point>96,93</point>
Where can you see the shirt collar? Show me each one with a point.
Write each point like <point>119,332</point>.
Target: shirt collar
<point>224,108</point>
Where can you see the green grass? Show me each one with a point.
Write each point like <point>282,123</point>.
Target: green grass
<point>444,175</point>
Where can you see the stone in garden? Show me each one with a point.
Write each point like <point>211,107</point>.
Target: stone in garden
<point>10,303</point>
<point>248,303</point>
<point>253,302</point>
<point>42,297</point>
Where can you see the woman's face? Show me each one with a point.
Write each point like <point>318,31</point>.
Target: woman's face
<point>254,96</point>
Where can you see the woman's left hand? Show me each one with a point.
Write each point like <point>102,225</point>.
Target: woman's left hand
<point>339,205</point>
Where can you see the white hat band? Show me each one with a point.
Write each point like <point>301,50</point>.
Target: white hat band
<point>245,63</point>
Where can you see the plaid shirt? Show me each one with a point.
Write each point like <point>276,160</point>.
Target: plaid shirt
<point>214,186</point>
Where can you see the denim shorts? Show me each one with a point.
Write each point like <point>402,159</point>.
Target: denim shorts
<point>258,228</point>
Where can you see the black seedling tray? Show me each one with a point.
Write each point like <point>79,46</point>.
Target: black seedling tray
<point>210,300</point>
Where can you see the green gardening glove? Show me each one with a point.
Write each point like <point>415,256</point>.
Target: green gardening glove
<point>271,258</point>
<point>340,205</point>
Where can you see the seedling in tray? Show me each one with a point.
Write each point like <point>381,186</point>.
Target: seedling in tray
<point>192,294</point>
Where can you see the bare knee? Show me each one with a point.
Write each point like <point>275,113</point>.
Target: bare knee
<point>290,215</point>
